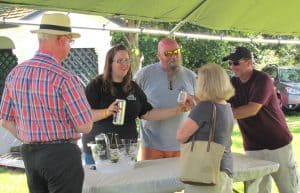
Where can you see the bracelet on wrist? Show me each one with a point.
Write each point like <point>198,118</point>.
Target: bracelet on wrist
<point>105,113</point>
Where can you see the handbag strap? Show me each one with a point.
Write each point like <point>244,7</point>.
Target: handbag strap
<point>212,129</point>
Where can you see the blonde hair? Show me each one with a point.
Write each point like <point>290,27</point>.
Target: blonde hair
<point>213,84</point>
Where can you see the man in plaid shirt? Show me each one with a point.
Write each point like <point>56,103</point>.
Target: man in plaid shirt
<point>45,107</point>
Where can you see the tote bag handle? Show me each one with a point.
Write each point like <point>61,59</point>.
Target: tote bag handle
<point>212,129</point>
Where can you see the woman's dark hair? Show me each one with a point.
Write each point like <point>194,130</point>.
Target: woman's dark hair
<point>107,74</point>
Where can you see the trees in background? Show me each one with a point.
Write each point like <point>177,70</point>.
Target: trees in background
<point>197,52</point>
<point>131,40</point>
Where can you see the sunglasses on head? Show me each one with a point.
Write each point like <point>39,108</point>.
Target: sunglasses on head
<point>171,53</point>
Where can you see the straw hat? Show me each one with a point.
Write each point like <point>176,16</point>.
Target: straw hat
<point>6,43</point>
<point>56,24</point>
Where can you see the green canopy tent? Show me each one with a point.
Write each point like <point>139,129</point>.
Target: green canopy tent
<point>275,17</point>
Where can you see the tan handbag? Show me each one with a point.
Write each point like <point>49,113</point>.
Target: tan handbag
<point>200,160</point>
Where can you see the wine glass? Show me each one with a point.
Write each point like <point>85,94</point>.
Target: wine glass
<point>181,99</point>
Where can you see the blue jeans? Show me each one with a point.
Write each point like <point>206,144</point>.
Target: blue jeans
<point>88,159</point>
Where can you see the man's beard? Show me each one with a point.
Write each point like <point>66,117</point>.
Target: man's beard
<point>174,66</point>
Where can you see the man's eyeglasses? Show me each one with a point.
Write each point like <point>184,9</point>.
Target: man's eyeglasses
<point>71,41</point>
<point>235,63</point>
<point>171,53</point>
<point>122,61</point>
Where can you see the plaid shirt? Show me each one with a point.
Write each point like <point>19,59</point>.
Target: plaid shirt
<point>44,100</point>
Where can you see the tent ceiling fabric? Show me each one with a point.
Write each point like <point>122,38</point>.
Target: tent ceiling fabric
<point>275,17</point>
<point>159,10</point>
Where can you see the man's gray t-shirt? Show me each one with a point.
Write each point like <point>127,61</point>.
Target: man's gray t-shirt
<point>154,82</point>
<point>202,114</point>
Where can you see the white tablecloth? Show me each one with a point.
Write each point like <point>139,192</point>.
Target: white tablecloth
<point>160,176</point>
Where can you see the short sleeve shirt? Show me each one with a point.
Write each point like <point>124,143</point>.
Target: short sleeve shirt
<point>136,106</point>
<point>44,100</point>
<point>154,81</point>
<point>267,129</point>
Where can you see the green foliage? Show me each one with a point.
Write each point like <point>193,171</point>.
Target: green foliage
<point>197,52</point>
<point>279,54</point>
<point>118,38</point>
<point>148,46</point>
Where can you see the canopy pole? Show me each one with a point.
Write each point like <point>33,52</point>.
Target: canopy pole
<point>185,18</point>
<point>167,33</point>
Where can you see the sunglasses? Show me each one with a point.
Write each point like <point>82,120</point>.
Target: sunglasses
<point>171,53</point>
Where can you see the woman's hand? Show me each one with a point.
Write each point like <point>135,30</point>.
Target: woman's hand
<point>182,107</point>
<point>112,108</point>
<point>191,101</point>
<point>99,114</point>
<point>188,104</point>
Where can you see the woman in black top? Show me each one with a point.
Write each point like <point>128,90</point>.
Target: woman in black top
<point>116,83</point>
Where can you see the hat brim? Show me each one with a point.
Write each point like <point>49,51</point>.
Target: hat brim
<point>56,32</point>
<point>232,57</point>
<point>225,58</point>
<point>6,43</point>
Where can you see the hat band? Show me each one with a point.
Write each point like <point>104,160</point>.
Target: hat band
<point>55,27</point>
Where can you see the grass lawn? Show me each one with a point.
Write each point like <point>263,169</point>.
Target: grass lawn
<point>14,181</point>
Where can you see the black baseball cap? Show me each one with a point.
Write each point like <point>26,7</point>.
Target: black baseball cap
<point>238,53</point>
